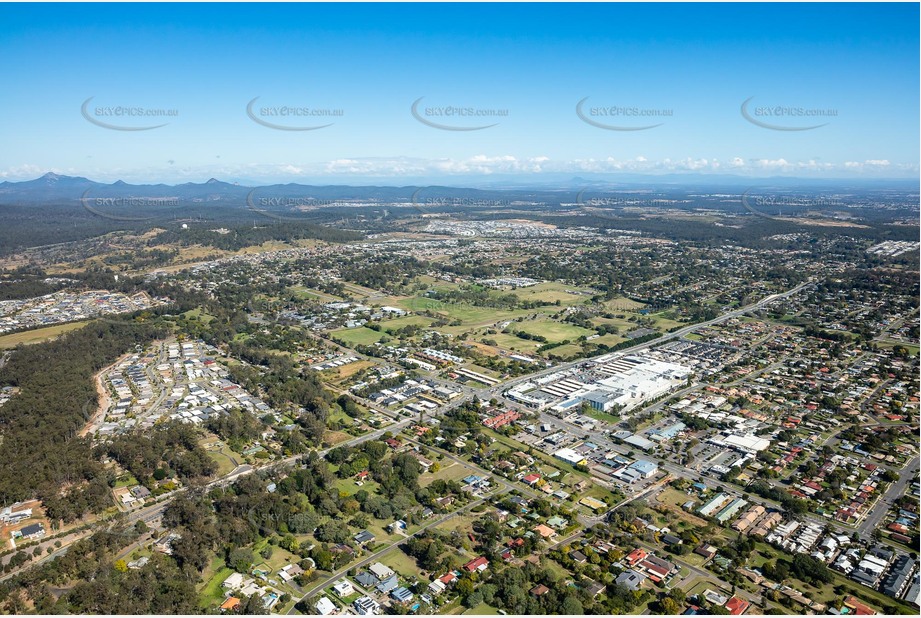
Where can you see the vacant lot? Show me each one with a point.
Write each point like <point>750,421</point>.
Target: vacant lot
<point>551,292</point>
<point>211,594</point>
<point>339,374</point>
<point>409,320</point>
<point>553,331</point>
<point>309,293</point>
<point>513,343</point>
<point>482,610</point>
<point>225,458</point>
<point>358,336</point>
<point>450,471</point>
<point>401,563</point>
<point>623,304</point>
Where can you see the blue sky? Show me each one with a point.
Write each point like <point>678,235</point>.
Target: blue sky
<point>687,67</point>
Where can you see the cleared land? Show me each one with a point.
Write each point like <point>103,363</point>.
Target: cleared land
<point>552,330</point>
<point>358,336</point>
<point>38,335</point>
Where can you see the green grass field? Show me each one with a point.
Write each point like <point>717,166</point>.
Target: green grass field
<point>358,336</point>
<point>664,323</point>
<point>409,320</point>
<point>451,472</point>
<point>889,344</point>
<point>624,324</point>
<point>463,522</point>
<point>38,335</point>
<point>564,351</point>
<point>198,314</point>
<point>401,563</point>
<point>125,480</point>
<point>552,330</point>
<point>623,304</point>
<point>470,315</point>
<point>482,610</point>
<point>609,339</point>
<point>280,558</point>
<point>223,457</point>
<point>211,594</point>
<point>603,416</point>
<point>348,487</point>
<point>414,303</point>
<point>513,343</point>
<point>359,290</point>
<point>309,293</point>
<point>550,292</point>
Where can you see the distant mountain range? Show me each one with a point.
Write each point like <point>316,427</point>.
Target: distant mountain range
<point>54,187</point>
<point>58,188</point>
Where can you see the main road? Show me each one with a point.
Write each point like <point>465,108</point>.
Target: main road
<point>895,490</point>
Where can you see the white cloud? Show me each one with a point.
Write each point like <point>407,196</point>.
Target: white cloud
<point>26,171</point>
<point>394,168</point>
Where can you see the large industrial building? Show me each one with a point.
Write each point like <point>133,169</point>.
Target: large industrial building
<point>613,382</point>
<point>745,444</point>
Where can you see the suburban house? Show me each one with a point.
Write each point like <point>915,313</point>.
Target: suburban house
<point>477,564</point>
<point>325,607</point>
<point>380,571</point>
<point>656,568</point>
<point>401,595</point>
<point>737,606</point>
<point>631,579</point>
<point>343,588</point>
<point>289,572</point>
<point>437,587</point>
<point>33,531</point>
<point>388,584</point>
<point>366,606</point>
<point>594,588</point>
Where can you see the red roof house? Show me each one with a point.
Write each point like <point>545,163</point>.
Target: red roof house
<point>736,606</point>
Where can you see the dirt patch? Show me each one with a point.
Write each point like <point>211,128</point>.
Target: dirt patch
<point>103,400</point>
<point>333,438</point>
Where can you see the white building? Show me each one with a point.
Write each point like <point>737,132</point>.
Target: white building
<point>325,607</point>
<point>570,456</point>
<point>343,588</point>
<point>380,571</point>
<point>366,606</point>
<point>746,444</point>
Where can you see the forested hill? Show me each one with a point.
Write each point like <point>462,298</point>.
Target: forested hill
<point>41,453</point>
